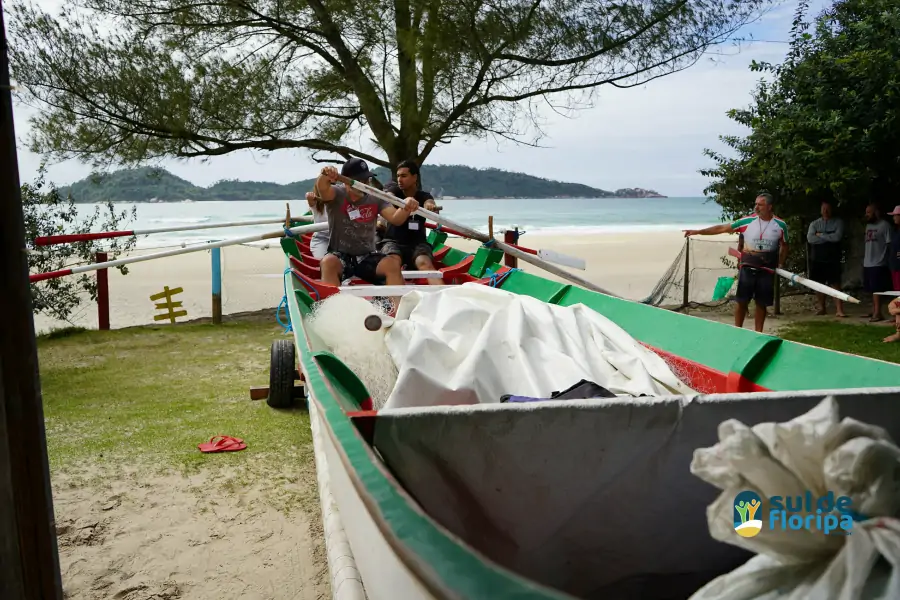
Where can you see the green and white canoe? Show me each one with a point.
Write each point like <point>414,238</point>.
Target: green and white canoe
<point>549,499</point>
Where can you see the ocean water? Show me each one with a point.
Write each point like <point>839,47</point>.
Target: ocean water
<point>572,216</point>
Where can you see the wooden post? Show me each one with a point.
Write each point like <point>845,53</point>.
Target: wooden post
<point>102,293</point>
<point>686,299</point>
<point>217,286</point>
<point>511,236</point>
<point>491,227</point>
<point>29,558</point>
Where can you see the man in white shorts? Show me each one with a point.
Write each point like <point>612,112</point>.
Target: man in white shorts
<point>765,248</point>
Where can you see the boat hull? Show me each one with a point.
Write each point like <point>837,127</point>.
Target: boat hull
<point>383,537</point>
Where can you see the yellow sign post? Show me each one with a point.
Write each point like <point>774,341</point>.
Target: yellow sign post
<point>168,305</point>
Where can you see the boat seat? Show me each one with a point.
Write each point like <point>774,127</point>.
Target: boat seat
<point>440,254</point>
<point>313,272</point>
<point>458,271</point>
<point>310,259</point>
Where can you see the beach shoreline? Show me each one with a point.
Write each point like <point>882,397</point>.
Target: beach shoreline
<point>626,264</point>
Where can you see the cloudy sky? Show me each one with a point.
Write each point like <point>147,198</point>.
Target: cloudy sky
<point>651,136</point>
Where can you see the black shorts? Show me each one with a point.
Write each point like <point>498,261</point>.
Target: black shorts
<point>877,279</point>
<point>755,284</point>
<point>827,273</point>
<point>363,266</point>
<point>408,253</point>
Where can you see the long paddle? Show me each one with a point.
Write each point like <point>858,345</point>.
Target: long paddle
<point>220,244</point>
<point>818,287</point>
<point>548,255</point>
<point>49,240</point>
<point>476,235</point>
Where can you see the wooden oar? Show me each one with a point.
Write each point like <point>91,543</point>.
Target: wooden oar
<point>220,244</point>
<point>464,231</point>
<point>49,240</point>
<point>818,287</point>
<point>548,255</point>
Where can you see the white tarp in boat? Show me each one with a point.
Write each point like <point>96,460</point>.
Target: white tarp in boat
<point>473,344</point>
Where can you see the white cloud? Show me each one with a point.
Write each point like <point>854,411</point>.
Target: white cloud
<point>652,136</point>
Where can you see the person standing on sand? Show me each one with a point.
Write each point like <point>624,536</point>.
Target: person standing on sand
<point>894,251</point>
<point>765,243</point>
<point>408,243</point>
<point>876,275</point>
<point>351,228</point>
<point>824,236</point>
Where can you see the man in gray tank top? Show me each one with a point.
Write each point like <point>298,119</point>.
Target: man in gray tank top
<point>351,228</point>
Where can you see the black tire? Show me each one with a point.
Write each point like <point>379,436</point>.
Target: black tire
<point>281,374</point>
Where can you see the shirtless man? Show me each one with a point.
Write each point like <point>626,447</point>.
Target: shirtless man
<point>765,245</point>
<point>408,243</point>
<point>351,228</point>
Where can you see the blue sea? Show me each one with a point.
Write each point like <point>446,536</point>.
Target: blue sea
<point>573,216</point>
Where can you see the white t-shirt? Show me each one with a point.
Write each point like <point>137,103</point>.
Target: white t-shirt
<point>762,236</point>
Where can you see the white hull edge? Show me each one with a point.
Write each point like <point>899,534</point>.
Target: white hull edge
<point>346,582</point>
<point>384,575</point>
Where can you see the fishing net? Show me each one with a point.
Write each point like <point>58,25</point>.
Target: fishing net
<point>702,274</point>
<point>339,322</point>
<point>690,374</point>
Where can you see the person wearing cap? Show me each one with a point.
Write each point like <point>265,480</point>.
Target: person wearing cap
<point>876,274</point>
<point>894,251</point>
<point>408,242</point>
<point>351,228</point>
<point>825,236</point>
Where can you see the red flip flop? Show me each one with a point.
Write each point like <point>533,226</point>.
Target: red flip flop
<point>222,443</point>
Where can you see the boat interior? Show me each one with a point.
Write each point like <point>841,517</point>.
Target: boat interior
<point>594,498</point>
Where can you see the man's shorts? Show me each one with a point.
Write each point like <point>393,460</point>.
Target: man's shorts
<point>827,273</point>
<point>363,266</point>
<point>877,279</point>
<point>755,284</point>
<point>407,252</point>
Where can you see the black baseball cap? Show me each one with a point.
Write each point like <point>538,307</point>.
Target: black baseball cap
<point>356,168</point>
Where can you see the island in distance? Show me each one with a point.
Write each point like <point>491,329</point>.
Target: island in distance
<point>152,184</point>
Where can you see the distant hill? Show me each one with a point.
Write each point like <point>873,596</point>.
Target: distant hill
<point>150,184</point>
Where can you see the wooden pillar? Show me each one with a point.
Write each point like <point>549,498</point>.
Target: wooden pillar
<point>102,293</point>
<point>511,236</point>
<point>29,558</point>
<point>686,300</point>
<point>217,286</point>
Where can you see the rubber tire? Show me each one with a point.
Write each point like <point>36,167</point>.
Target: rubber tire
<point>281,374</point>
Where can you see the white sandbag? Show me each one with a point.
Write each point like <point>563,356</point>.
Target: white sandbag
<point>810,456</point>
<point>472,344</point>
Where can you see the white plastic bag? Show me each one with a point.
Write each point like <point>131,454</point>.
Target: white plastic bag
<point>817,453</point>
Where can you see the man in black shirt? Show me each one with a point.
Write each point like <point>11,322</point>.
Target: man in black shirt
<point>408,242</point>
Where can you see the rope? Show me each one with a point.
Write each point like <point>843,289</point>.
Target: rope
<point>288,327</point>
<point>496,279</point>
<point>489,243</point>
<point>288,232</point>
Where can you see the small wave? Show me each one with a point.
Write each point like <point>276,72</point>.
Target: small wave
<point>179,220</point>
<point>577,230</point>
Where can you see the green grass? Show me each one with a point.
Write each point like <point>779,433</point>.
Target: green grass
<point>139,401</point>
<point>864,340</point>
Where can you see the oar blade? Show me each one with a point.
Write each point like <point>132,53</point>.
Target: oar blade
<point>562,259</point>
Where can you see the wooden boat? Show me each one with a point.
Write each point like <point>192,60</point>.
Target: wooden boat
<point>550,500</point>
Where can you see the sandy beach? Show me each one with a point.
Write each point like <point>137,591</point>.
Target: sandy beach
<point>628,265</point>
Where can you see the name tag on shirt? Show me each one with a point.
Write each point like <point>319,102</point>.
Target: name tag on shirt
<point>354,214</point>
<point>414,225</point>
